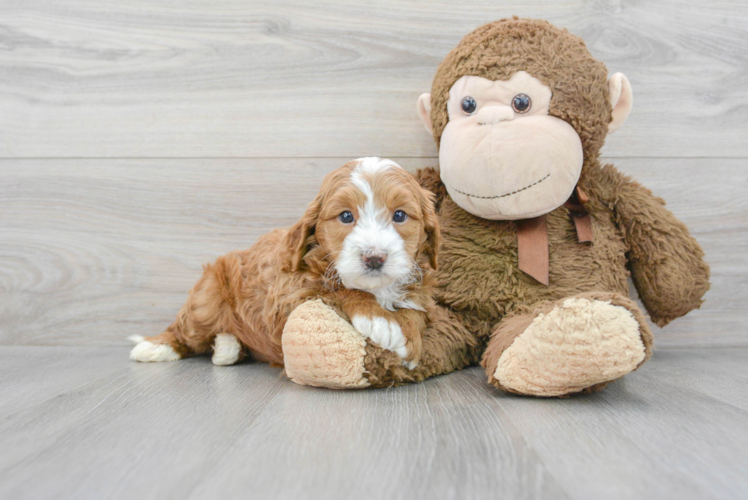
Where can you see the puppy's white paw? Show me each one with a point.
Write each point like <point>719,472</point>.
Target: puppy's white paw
<point>226,350</point>
<point>148,352</point>
<point>386,334</point>
<point>410,364</point>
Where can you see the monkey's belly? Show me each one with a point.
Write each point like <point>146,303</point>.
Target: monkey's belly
<point>478,274</point>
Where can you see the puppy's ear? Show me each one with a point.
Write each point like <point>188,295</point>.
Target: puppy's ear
<point>297,240</point>
<point>433,236</point>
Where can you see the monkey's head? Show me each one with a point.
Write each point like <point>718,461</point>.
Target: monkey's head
<point>519,109</point>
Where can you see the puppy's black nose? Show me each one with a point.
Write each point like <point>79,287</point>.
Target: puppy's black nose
<point>374,260</point>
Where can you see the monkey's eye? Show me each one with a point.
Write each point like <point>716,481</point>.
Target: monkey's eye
<point>468,105</point>
<point>399,216</point>
<point>521,103</point>
<point>346,217</point>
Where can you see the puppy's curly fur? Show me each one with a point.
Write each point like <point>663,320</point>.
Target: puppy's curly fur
<point>250,293</point>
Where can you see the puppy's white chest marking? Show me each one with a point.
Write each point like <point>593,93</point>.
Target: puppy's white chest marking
<point>386,334</point>
<point>391,299</point>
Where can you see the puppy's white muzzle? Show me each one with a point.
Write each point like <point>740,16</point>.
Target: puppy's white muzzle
<point>373,256</point>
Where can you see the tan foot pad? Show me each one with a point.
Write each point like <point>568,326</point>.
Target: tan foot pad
<point>577,344</point>
<point>322,349</point>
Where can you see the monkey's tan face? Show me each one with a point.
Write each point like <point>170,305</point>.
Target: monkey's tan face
<point>502,156</point>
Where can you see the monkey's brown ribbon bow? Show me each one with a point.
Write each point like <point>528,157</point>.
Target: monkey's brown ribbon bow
<point>532,236</point>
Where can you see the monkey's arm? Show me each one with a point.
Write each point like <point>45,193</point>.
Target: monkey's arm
<point>667,264</point>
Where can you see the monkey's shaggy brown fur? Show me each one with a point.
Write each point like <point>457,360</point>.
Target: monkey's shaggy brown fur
<point>552,55</point>
<point>481,291</point>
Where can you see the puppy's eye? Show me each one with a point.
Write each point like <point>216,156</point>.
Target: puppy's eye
<point>399,216</point>
<point>521,103</point>
<point>468,105</point>
<point>346,217</point>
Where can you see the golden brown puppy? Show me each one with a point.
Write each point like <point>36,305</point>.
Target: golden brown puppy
<point>366,246</point>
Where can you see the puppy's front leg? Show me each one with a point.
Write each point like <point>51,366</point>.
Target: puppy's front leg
<point>384,328</point>
<point>412,324</point>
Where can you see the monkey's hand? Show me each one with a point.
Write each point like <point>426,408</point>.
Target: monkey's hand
<point>667,264</point>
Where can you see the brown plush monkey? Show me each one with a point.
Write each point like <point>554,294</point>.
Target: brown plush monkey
<point>538,237</point>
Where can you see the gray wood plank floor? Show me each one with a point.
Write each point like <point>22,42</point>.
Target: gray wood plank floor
<point>83,422</point>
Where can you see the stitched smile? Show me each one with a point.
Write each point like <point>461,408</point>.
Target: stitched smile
<point>503,195</point>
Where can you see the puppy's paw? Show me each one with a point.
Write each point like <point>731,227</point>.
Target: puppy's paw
<point>226,350</point>
<point>410,364</point>
<point>386,334</point>
<point>148,352</point>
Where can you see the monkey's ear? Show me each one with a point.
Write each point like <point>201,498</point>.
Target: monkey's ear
<point>621,98</point>
<point>424,111</point>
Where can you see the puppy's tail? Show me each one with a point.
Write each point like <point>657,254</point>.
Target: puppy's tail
<point>136,339</point>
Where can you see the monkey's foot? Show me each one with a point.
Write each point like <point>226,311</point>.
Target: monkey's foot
<point>322,349</point>
<point>574,345</point>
